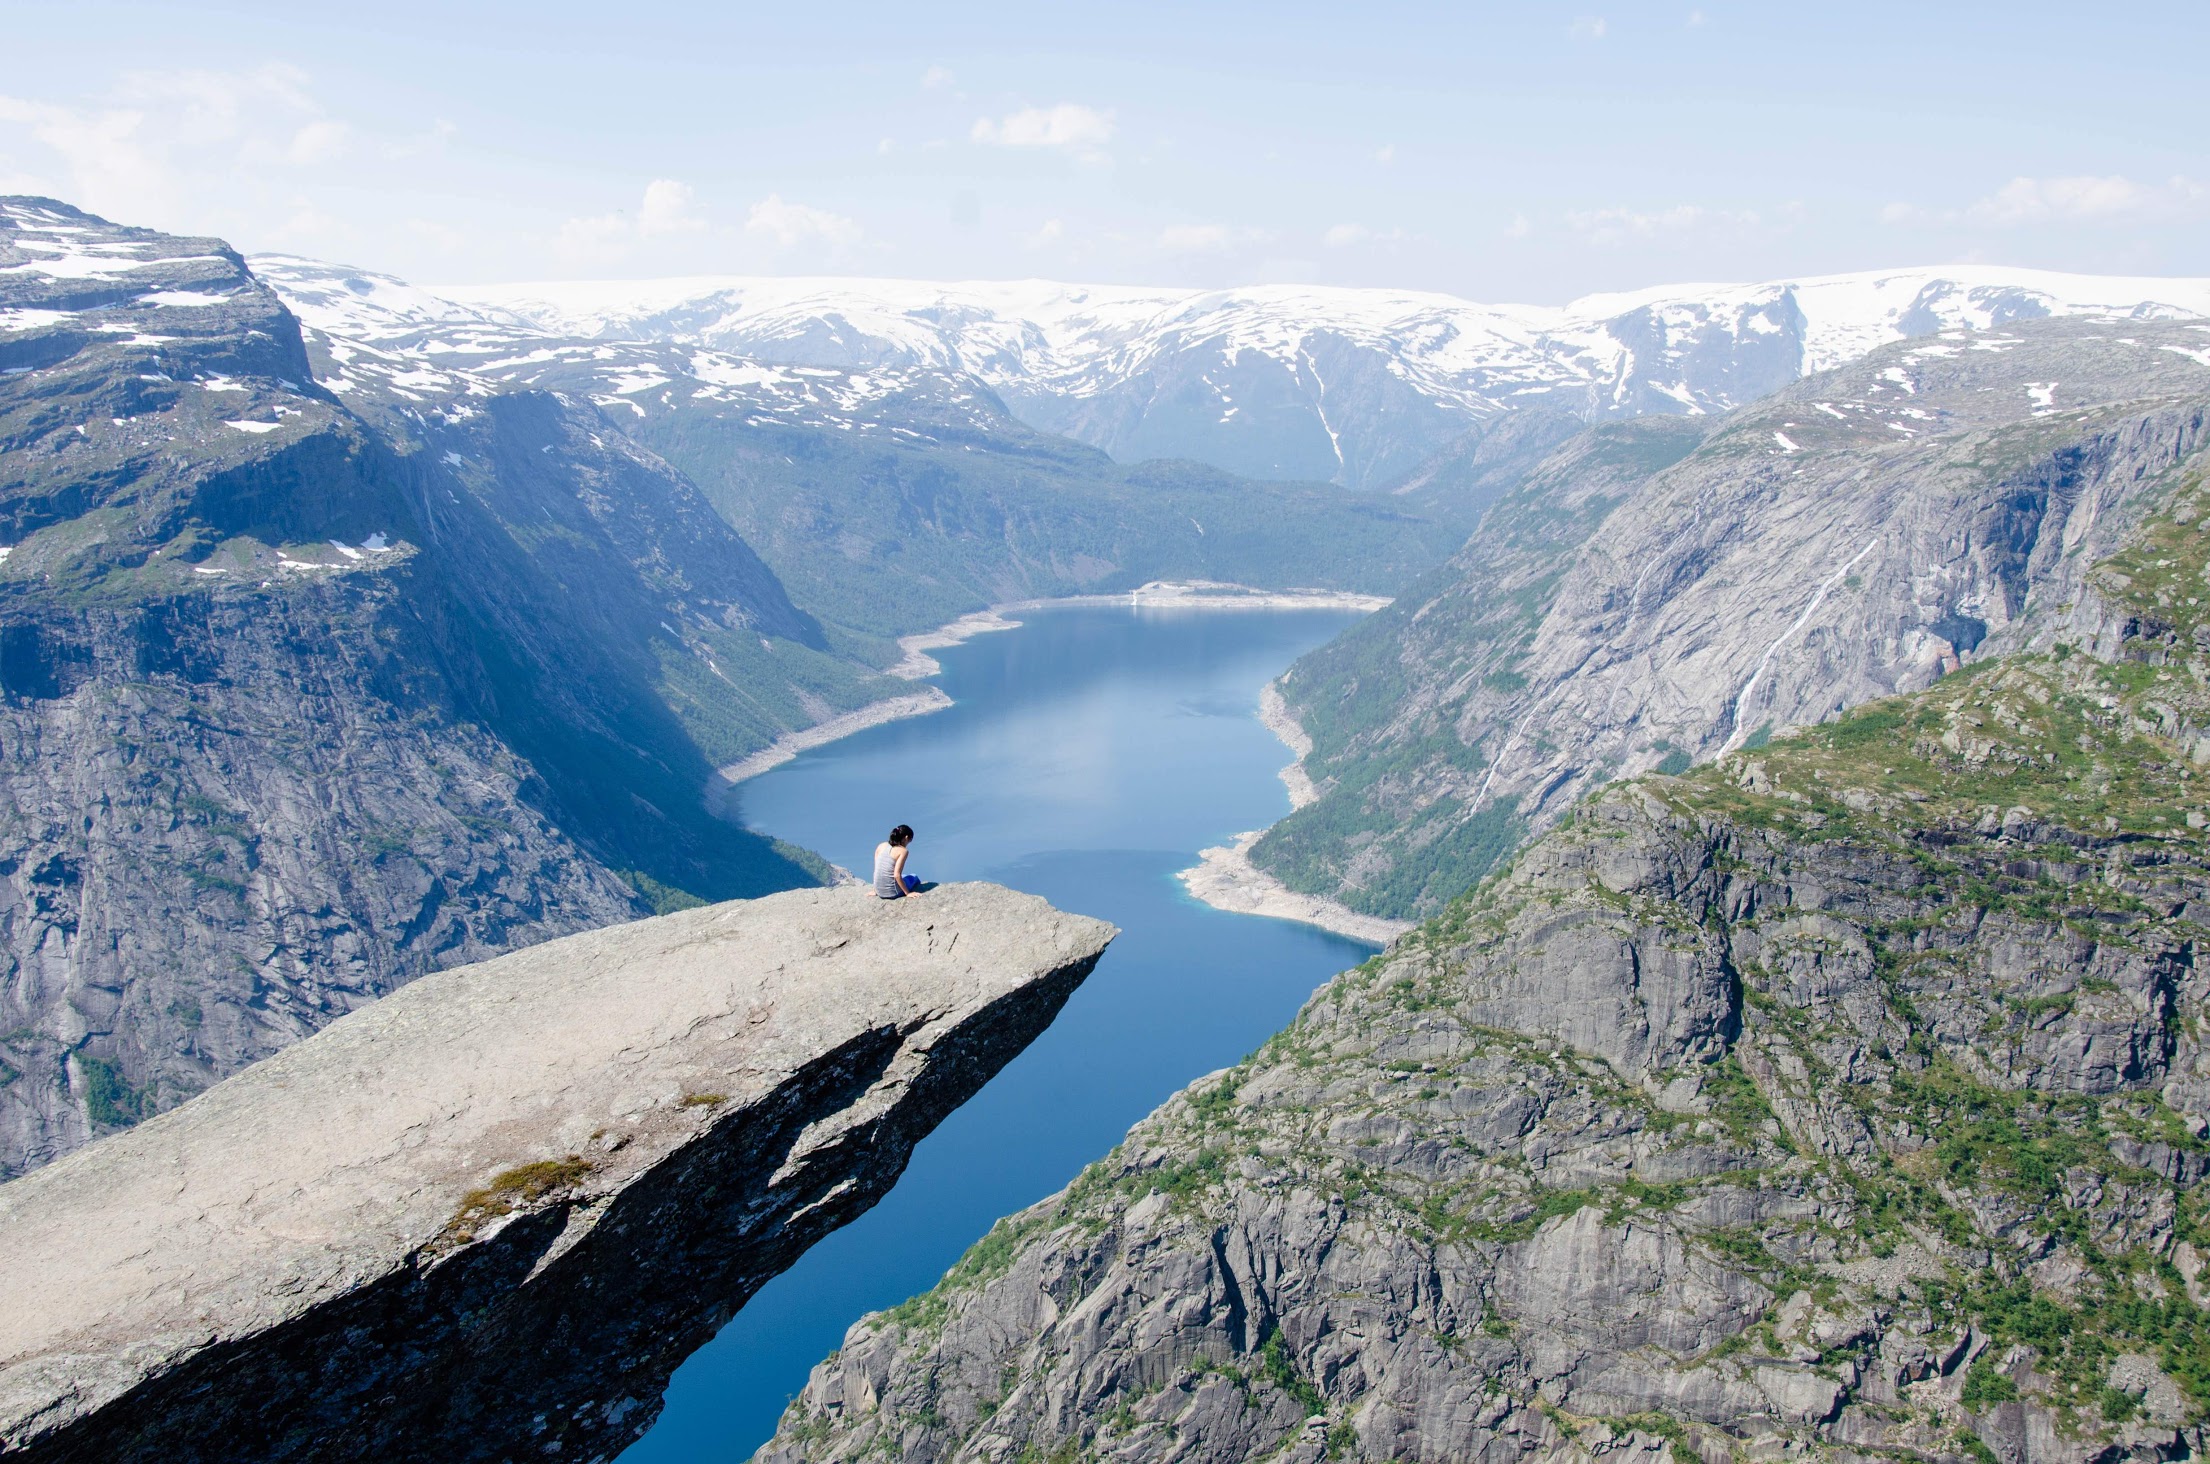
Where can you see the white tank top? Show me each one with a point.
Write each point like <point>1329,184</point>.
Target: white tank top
<point>886,877</point>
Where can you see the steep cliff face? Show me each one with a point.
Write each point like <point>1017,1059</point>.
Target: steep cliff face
<point>300,700</point>
<point>1844,1096</point>
<point>485,1218</point>
<point>1635,604</point>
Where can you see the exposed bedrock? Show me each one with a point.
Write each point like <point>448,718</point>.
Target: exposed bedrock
<point>486,1217</point>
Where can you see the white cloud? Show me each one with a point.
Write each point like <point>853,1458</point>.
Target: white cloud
<point>2085,199</point>
<point>1518,228</point>
<point>790,225</point>
<point>667,210</point>
<point>438,235</point>
<point>1697,18</point>
<point>1209,238</point>
<point>2079,199</point>
<point>598,237</point>
<point>1589,28</point>
<point>201,151</point>
<point>1621,222</point>
<point>307,226</point>
<point>436,139</point>
<point>1051,231</point>
<point>169,147</point>
<point>664,209</point>
<point>1386,155</point>
<point>936,78</point>
<point>1068,125</point>
<point>320,141</point>
<point>1616,225</point>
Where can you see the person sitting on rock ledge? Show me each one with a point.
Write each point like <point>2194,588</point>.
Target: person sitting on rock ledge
<point>891,880</point>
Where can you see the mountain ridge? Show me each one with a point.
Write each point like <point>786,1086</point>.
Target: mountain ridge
<point>891,499</point>
<point>1344,384</point>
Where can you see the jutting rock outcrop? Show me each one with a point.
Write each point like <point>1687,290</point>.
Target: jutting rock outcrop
<point>486,1217</point>
<point>309,688</point>
<point>1843,1098</point>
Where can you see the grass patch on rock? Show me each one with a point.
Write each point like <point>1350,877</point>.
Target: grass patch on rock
<point>515,1189</point>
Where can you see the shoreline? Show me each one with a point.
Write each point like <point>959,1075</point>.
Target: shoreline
<point>915,662</point>
<point>836,728</point>
<point>1273,714</point>
<point>1225,878</point>
<point>1213,595</point>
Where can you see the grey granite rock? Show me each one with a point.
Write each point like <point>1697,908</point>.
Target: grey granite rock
<point>487,1216</point>
<point>1659,592</point>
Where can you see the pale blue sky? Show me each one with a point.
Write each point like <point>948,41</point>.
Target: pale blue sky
<point>1527,152</point>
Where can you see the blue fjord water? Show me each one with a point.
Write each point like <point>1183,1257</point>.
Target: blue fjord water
<point>1091,753</point>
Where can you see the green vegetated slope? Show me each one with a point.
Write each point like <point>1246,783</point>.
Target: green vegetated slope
<point>1845,1096</point>
<point>894,498</point>
<point>565,512</point>
<point>1475,615</point>
<point>1661,590</point>
<point>883,537</point>
<point>306,692</point>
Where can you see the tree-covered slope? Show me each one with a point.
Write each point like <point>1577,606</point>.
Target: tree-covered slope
<point>886,537</point>
<point>1843,1097</point>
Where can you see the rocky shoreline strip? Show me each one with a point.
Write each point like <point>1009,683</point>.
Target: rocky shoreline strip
<point>1274,715</point>
<point>918,663</point>
<point>1225,878</point>
<point>790,744</point>
<point>1213,595</point>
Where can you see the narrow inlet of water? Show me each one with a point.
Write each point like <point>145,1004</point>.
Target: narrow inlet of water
<point>1090,755</point>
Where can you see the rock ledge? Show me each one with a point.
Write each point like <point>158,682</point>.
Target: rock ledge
<point>486,1217</point>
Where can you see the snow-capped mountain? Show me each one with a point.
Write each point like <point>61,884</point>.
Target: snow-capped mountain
<point>386,336</point>
<point>1303,381</point>
<point>1280,381</point>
